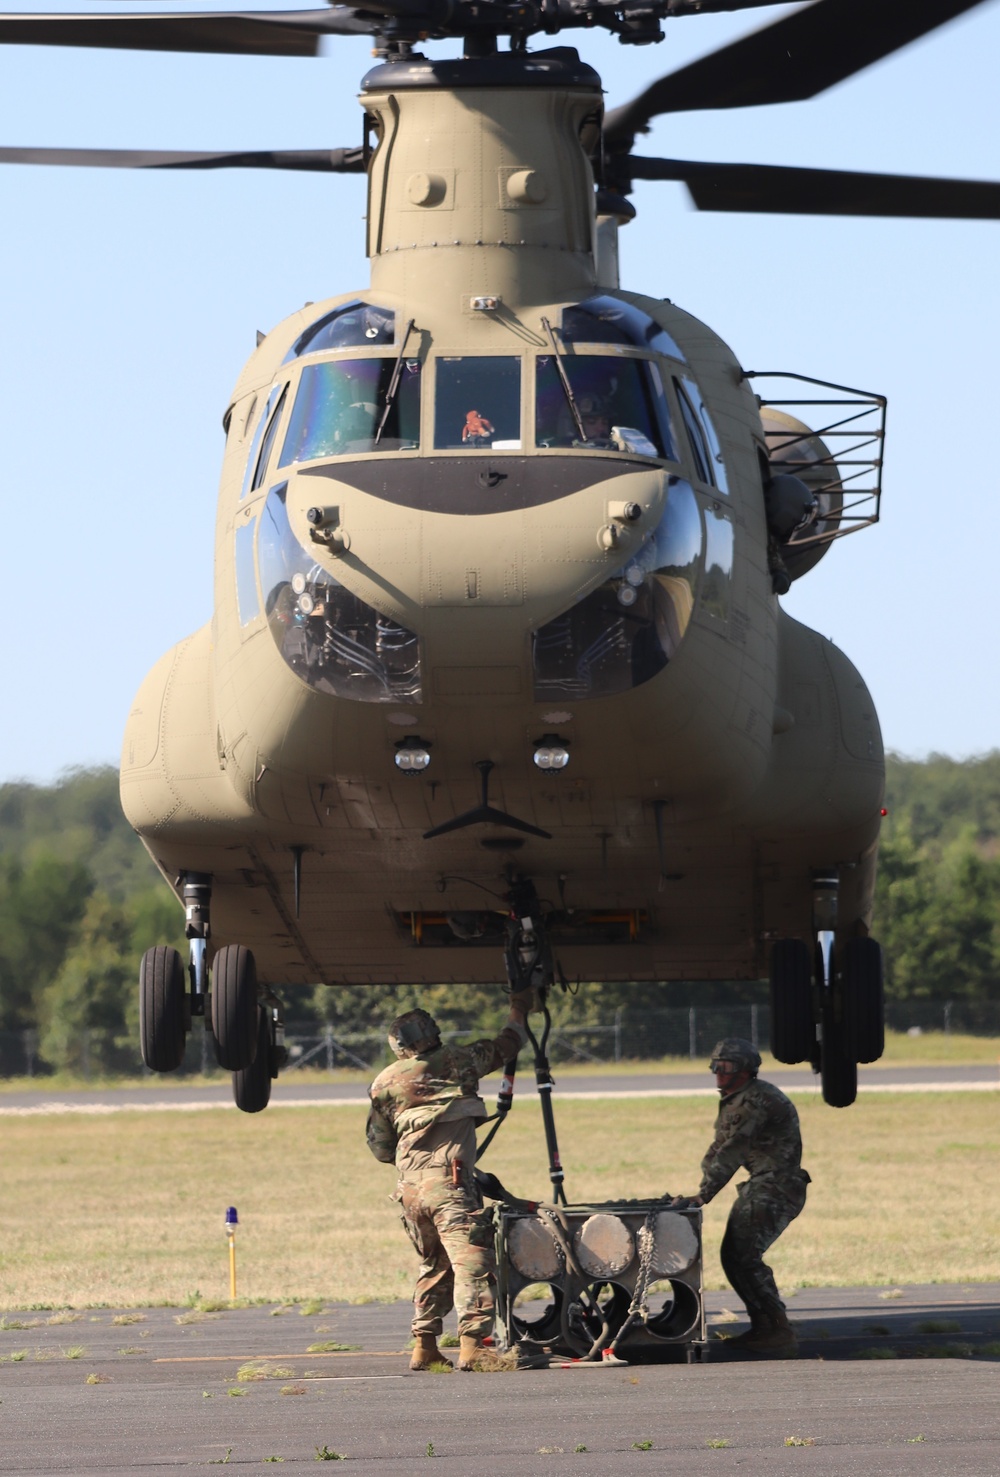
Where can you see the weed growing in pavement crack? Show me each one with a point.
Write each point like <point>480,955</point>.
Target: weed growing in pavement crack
<point>642,1446</point>
<point>430,1449</point>
<point>800,1441</point>
<point>717,1443</point>
<point>223,1461</point>
<point>324,1454</point>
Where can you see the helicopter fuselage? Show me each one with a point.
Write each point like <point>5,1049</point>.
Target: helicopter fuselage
<point>493,510</point>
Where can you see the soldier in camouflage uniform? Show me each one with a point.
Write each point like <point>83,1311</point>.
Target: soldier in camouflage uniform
<point>423,1117</point>
<point>757,1128</point>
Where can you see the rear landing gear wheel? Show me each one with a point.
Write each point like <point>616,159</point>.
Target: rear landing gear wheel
<point>838,1069</point>
<point>234,1007</point>
<point>793,1030</point>
<point>864,1002</point>
<point>252,1085</point>
<point>162,1008</point>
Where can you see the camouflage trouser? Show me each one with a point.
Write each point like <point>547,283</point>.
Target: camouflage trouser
<point>757,1219</point>
<point>453,1237</point>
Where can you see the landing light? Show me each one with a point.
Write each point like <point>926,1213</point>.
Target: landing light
<point>627,594</point>
<point>412,755</point>
<point>551,753</point>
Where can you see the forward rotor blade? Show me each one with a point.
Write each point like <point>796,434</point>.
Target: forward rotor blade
<point>328,161</point>
<point>254,33</point>
<point>793,59</point>
<point>777,190</point>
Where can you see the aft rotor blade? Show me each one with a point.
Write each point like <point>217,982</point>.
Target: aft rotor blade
<point>253,33</point>
<point>328,161</point>
<point>793,59</point>
<point>778,190</point>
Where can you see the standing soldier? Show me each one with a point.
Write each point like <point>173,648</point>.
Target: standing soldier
<point>757,1129</point>
<point>424,1112</point>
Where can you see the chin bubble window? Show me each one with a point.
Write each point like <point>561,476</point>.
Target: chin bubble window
<point>477,403</point>
<point>346,407</point>
<point>331,639</point>
<point>605,404</point>
<point>710,464</point>
<point>627,630</point>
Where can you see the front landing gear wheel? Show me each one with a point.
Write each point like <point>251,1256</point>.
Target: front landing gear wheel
<point>234,1007</point>
<point>162,1008</point>
<point>793,1030</point>
<point>252,1086</point>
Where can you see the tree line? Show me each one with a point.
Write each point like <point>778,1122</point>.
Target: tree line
<point>80,901</point>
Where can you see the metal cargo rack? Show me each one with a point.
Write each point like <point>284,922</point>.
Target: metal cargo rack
<point>614,1281</point>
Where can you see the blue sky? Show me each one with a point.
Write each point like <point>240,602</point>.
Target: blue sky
<point>129,301</point>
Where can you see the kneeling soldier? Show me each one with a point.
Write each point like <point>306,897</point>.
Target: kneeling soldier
<point>424,1112</point>
<point>757,1129</point>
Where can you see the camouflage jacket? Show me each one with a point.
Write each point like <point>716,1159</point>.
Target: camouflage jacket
<point>757,1129</point>
<point>424,1109</point>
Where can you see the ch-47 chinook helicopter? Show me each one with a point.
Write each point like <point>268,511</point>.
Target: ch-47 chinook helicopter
<point>498,683</point>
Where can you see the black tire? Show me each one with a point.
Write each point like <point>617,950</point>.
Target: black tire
<point>162,1008</point>
<point>252,1086</point>
<point>864,999</point>
<point>838,1069</point>
<point>793,1030</point>
<point>234,1007</point>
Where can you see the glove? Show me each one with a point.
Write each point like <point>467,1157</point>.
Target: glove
<point>526,1000</point>
<point>684,1202</point>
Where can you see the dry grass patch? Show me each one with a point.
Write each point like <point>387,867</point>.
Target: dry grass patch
<point>138,1228</point>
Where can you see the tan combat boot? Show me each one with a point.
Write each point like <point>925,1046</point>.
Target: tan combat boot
<point>426,1352</point>
<point>470,1350</point>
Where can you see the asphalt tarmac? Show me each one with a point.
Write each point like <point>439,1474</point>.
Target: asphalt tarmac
<point>889,1381</point>
<point>291,1091</point>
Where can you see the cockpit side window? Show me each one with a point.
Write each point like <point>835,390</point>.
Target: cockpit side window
<point>620,403</point>
<point>267,444</point>
<point>353,325</point>
<point>253,458</point>
<point>702,435</point>
<point>340,410</point>
<point>477,403</point>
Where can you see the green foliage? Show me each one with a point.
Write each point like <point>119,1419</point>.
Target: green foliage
<point>41,904</point>
<point>937,902</point>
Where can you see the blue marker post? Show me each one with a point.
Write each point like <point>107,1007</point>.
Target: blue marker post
<point>232,1221</point>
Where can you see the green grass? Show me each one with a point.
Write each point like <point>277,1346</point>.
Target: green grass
<point>931,1048</point>
<point>141,1214</point>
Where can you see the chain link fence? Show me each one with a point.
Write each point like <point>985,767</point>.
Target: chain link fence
<point>627,1034</point>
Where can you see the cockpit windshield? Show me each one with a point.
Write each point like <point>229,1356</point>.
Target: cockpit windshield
<point>608,320</point>
<point>477,403</point>
<point>620,404</point>
<point>339,409</point>
<point>354,325</point>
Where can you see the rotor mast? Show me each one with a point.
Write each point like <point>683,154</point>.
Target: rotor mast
<point>482,175</point>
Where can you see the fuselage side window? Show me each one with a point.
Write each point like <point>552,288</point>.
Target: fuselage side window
<point>340,410</point>
<point>614,398</point>
<point>477,403</point>
<point>247,598</point>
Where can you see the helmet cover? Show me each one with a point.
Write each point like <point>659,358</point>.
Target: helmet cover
<point>736,1049</point>
<point>412,1031</point>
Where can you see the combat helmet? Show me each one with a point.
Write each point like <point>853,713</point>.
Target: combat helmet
<point>736,1049</point>
<point>412,1032</point>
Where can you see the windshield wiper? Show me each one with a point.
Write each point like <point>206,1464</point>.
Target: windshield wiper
<point>397,372</point>
<point>564,378</point>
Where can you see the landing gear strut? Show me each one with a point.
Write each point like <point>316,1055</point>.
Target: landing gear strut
<point>528,957</point>
<point>244,1018</point>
